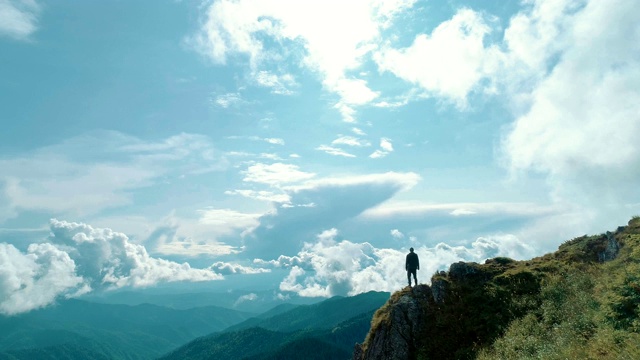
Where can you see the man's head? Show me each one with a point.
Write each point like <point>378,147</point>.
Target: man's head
<point>411,249</point>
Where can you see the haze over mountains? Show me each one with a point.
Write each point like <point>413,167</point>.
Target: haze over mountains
<point>78,329</point>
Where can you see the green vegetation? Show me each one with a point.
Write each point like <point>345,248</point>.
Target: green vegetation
<point>581,302</point>
<point>323,315</point>
<point>83,330</point>
<point>326,330</point>
<point>590,311</point>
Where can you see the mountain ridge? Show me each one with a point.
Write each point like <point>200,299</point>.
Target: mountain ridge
<point>582,301</point>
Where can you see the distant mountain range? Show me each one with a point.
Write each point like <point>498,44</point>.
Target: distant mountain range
<point>79,329</point>
<point>260,302</point>
<point>108,331</point>
<point>326,330</point>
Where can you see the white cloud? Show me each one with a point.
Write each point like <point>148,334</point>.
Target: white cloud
<point>237,28</point>
<point>350,141</point>
<point>450,62</point>
<point>386,147</point>
<point>279,84</point>
<point>18,18</point>
<point>261,195</point>
<point>275,174</point>
<point>247,297</point>
<point>584,116</point>
<point>228,100</point>
<point>328,267</point>
<point>224,268</point>
<point>399,181</point>
<point>228,219</point>
<point>397,234</point>
<point>378,154</point>
<point>78,258</point>
<point>536,35</point>
<point>34,279</point>
<point>417,208</point>
<point>462,212</point>
<point>334,151</point>
<point>274,141</point>
<point>358,131</point>
<point>107,258</point>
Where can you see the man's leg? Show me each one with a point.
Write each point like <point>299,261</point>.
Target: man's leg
<point>409,276</point>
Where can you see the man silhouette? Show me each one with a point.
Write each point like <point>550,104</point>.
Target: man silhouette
<point>412,265</point>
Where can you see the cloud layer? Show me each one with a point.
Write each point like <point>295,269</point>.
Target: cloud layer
<point>329,266</point>
<point>581,126</point>
<point>78,259</point>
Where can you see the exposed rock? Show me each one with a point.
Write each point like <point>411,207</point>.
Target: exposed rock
<point>611,250</point>
<point>462,270</point>
<point>400,323</point>
<point>439,289</point>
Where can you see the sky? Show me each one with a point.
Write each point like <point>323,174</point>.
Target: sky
<point>305,146</point>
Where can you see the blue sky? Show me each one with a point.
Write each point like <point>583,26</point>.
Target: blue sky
<point>306,144</point>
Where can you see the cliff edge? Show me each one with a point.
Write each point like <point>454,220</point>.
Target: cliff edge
<point>471,305</point>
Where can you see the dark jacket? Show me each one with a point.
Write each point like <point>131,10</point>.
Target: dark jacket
<point>412,261</point>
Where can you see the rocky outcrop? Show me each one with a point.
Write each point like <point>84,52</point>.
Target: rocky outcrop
<point>397,326</point>
<point>470,305</point>
<point>611,249</point>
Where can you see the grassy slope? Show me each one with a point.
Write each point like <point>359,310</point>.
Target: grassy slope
<point>566,304</point>
<point>590,311</point>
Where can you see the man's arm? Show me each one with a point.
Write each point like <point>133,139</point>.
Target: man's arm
<point>417,262</point>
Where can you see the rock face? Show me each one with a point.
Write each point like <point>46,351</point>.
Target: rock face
<point>611,250</point>
<point>401,322</point>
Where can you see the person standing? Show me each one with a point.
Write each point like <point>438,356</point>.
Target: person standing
<point>412,265</point>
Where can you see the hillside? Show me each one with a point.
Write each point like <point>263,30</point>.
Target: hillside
<point>325,330</point>
<point>323,315</point>
<point>75,327</point>
<point>580,302</point>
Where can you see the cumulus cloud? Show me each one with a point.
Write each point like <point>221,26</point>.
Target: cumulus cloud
<point>397,234</point>
<point>36,278</point>
<point>224,268</point>
<point>234,28</point>
<point>450,62</point>
<point>18,18</point>
<point>580,128</point>
<point>77,259</point>
<point>329,267</point>
<point>106,258</point>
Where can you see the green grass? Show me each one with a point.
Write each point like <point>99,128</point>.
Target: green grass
<point>589,311</point>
